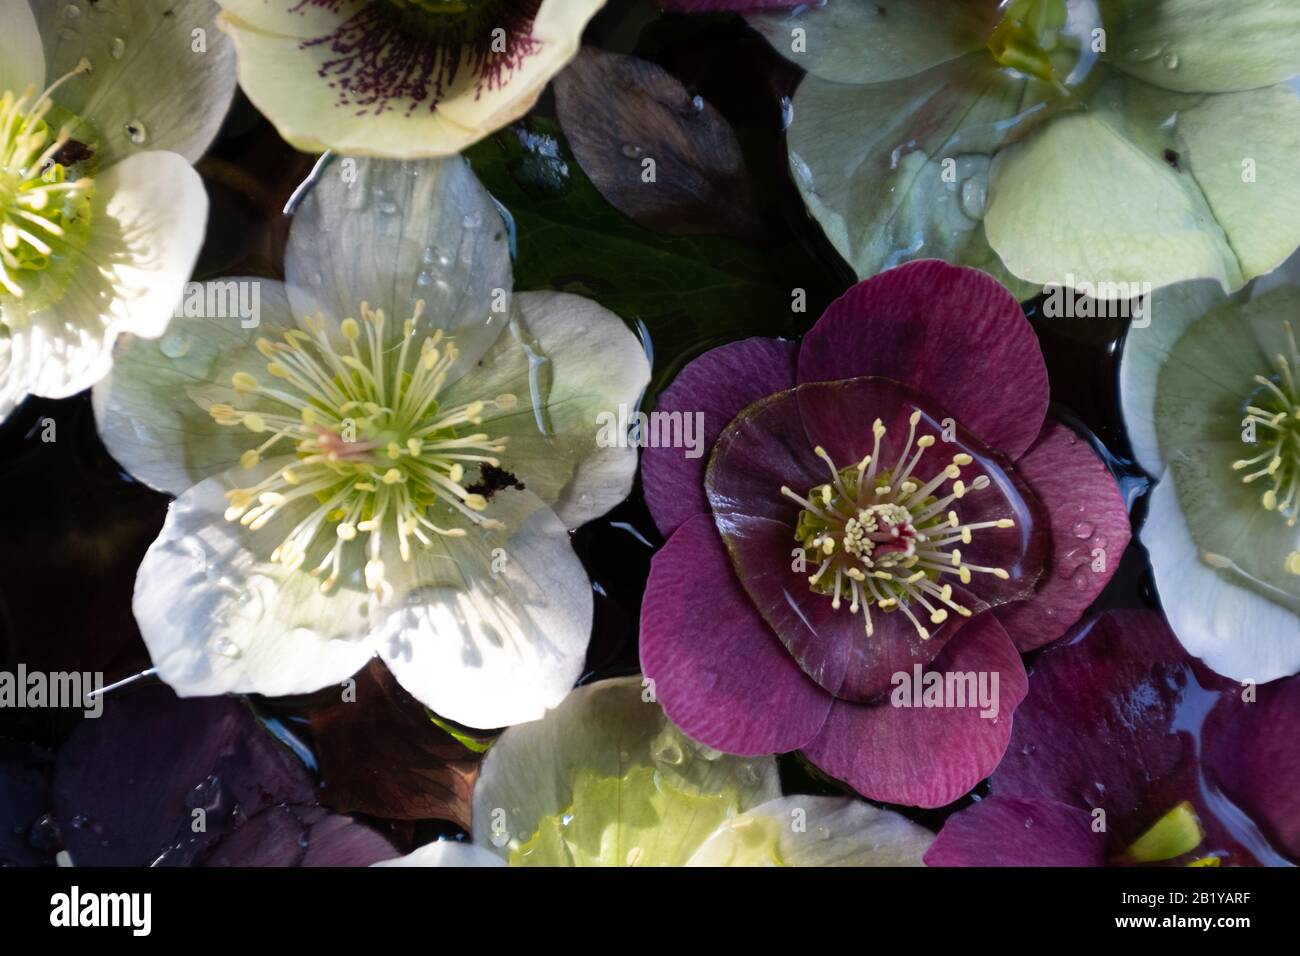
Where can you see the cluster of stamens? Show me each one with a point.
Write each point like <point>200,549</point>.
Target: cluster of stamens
<point>372,446</point>
<point>1274,414</point>
<point>39,206</point>
<point>881,538</point>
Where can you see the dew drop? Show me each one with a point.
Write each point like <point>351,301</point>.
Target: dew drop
<point>631,150</point>
<point>472,220</point>
<point>1082,529</point>
<point>500,839</point>
<point>566,819</point>
<point>1170,61</point>
<point>176,345</point>
<point>117,48</point>
<point>423,279</point>
<point>227,648</point>
<point>1082,579</point>
<point>136,131</point>
<point>72,13</point>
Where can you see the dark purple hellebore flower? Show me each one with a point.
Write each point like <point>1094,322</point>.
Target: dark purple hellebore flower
<point>1129,751</point>
<point>872,493</point>
<point>164,781</point>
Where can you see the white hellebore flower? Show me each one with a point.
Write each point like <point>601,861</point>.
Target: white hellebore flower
<point>400,78</point>
<point>388,463</point>
<point>102,109</point>
<point>1211,398</point>
<point>608,780</point>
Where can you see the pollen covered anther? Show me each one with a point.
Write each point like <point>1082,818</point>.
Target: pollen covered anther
<point>1273,415</point>
<point>375,452</point>
<point>878,537</point>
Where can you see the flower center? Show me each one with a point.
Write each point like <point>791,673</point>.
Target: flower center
<point>416,50</point>
<point>883,539</point>
<point>1040,38</point>
<point>44,208</point>
<point>1273,417</point>
<point>374,448</point>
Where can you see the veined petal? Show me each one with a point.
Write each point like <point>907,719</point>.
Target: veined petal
<point>219,617</point>
<point>22,63</point>
<point>152,409</point>
<point>859,42</point>
<point>575,370</point>
<point>1237,631</point>
<point>605,779</point>
<point>900,170</point>
<point>369,84</point>
<point>1149,186</point>
<point>805,830</point>
<point>148,223</point>
<point>162,75</point>
<point>1006,831</point>
<point>391,234</point>
<point>1202,46</point>
<point>494,627</point>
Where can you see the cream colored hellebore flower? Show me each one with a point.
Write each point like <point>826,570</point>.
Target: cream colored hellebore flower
<point>608,780</point>
<point>400,78</point>
<point>102,109</point>
<point>388,463</point>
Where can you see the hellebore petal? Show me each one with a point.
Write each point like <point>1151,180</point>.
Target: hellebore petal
<point>219,616</point>
<point>897,171</point>
<point>719,672</point>
<point>605,779</point>
<point>774,444</point>
<point>423,84</point>
<point>147,224</point>
<point>714,388</point>
<point>1200,46</point>
<point>571,365</point>
<point>152,408</point>
<point>503,636</point>
<point>1149,186</point>
<point>1089,527</point>
<point>993,833</point>
<point>22,62</point>
<point>805,830</point>
<point>447,853</point>
<point>1255,760</point>
<point>162,75</point>
<point>929,755</point>
<point>886,43</point>
<point>923,324</point>
<point>391,234</point>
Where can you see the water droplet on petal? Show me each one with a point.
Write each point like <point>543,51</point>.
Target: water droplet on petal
<point>227,648</point>
<point>175,344</point>
<point>117,48</point>
<point>631,150</point>
<point>1082,529</point>
<point>136,131</point>
<point>1170,61</point>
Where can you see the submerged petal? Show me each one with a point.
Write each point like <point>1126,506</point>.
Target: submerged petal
<point>1007,831</point>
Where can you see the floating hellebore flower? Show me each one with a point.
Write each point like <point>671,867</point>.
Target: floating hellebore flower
<point>1049,141</point>
<point>1211,398</point>
<point>873,492</point>
<point>102,109</point>
<point>607,780</point>
<point>386,460</point>
<point>1128,751</point>
<point>400,78</point>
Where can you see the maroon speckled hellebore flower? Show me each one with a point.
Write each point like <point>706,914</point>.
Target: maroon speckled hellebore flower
<point>873,493</point>
<point>1129,751</point>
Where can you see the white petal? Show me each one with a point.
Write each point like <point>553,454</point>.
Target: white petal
<point>149,217</point>
<point>804,830</point>
<point>218,617</point>
<point>152,408</point>
<point>1237,632</point>
<point>149,87</point>
<point>391,233</point>
<point>22,63</point>
<point>568,361</point>
<point>446,853</point>
<point>510,642</point>
<point>1170,311</point>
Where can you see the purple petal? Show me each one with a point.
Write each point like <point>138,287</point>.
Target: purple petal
<point>719,673</point>
<point>717,385</point>
<point>1089,528</point>
<point>927,756</point>
<point>771,444</point>
<point>26,837</point>
<point>952,333</point>
<point>126,785</point>
<point>1004,831</point>
<point>1256,759</point>
<point>1113,720</point>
